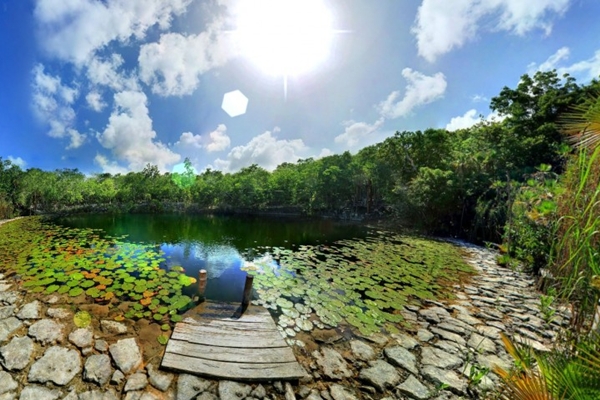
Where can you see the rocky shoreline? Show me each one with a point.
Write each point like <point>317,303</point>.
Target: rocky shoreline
<point>44,356</point>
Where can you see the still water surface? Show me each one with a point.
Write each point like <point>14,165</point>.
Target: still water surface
<point>219,244</point>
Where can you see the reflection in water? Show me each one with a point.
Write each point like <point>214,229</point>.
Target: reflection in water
<point>219,244</point>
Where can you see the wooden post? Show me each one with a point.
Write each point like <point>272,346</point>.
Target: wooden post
<point>247,292</point>
<point>202,282</point>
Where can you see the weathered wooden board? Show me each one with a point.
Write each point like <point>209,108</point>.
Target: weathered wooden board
<point>234,371</point>
<point>215,341</point>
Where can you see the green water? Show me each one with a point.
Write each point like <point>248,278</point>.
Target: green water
<point>219,244</point>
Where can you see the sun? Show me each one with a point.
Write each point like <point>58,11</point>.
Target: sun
<point>284,37</point>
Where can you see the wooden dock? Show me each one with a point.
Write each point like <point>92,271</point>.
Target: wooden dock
<point>214,340</point>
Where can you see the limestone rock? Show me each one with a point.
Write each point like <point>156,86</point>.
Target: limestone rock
<point>408,342</point>
<point>30,310</point>
<point>188,386</point>
<point>113,327</point>
<point>35,392</point>
<point>332,363</point>
<point>229,390</point>
<point>440,376</point>
<point>424,335</point>
<point>401,357</point>
<point>481,343</point>
<point>137,381</point>
<point>97,369</point>
<point>339,392</point>
<point>380,374</point>
<point>158,379</point>
<point>7,311</point>
<point>8,326</point>
<point>413,388</point>
<point>98,395</point>
<point>439,358</point>
<point>361,350</point>
<point>58,364</point>
<point>126,355</point>
<point>59,313</point>
<point>17,353</point>
<point>47,331</point>
<point>81,337</point>
<point>7,383</point>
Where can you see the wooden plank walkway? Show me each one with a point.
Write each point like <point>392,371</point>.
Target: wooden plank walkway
<point>213,340</point>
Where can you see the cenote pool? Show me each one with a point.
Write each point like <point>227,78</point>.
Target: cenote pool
<point>309,273</point>
<point>221,245</point>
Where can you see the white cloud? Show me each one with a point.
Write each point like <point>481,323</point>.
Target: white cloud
<point>265,150</point>
<point>478,98</point>
<point>17,161</point>
<point>356,132</point>
<point>471,118</point>
<point>129,134</point>
<point>421,89</point>
<point>94,100</point>
<point>325,152</point>
<point>112,167</point>
<point>586,69</point>
<point>217,140</point>
<point>72,30</point>
<point>442,25</point>
<point>172,66</point>
<point>105,72</point>
<point>52,104</point>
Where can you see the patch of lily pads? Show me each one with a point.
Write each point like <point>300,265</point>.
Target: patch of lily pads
<point>81,262</point>
<point>365,283</point>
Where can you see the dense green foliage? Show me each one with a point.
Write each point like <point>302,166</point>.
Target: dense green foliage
<point>458,183</point>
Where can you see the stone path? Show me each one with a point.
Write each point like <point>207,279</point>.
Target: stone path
<point>44,357</point>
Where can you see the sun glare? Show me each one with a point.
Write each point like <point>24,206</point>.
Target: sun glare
<point>284,37</point>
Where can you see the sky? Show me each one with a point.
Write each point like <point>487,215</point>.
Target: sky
<point>112,85</point>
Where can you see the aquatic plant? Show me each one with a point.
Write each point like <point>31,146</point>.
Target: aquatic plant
<point>52,259</point>
<point>364,283</point>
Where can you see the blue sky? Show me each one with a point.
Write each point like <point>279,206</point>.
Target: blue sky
<point>111,85</point>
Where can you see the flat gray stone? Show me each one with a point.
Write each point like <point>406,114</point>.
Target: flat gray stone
<point>408,342</point>
<point>9,297</point>
<point>8,396</point>
<point>98,395</point>
<point>450,347</point>
<point>489,331</point>
<point>117,378</point>
<point>492,360</point>
<point>339,392</point>
<point>209,396</point>
<point>7,311</point>
<point>424,335</point>
<point>434,314</point>
<point>101,345</point>
<point>481,343</point>
<point>441,376</point>
<point>158,379</point>
<point>380,374</point>
<point>59,313</point>
<point>188,386</point>
<point>453,337</point>
<point>7,383</point>
<point>362,351</point>
<point>97,369</point>
<point>35,392</point>
<point>137,381</point>
<point>72,395</point>
<point>58,365</point>
<point>8,326</point>
<point>289,392</point>
<point>439,358</point>
<point>4,287</point>
<point>332,363</point>
<point>30,310</point>
<point>47,331</point>
<point>403,358</point>
<point>126,355</point>
<point>113,327</point>
<point>229,390</point>
<point>314,395</point>
<point>259,392</point>
<point>82,337</point>
<point>17,353</point>
<point>413,388</point>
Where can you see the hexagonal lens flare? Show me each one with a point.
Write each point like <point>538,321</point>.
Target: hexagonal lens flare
<point>234,103</point>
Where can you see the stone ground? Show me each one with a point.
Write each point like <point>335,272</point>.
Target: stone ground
<point>43,356</point>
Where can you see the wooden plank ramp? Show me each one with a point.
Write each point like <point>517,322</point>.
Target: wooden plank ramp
<point>218,341</point>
